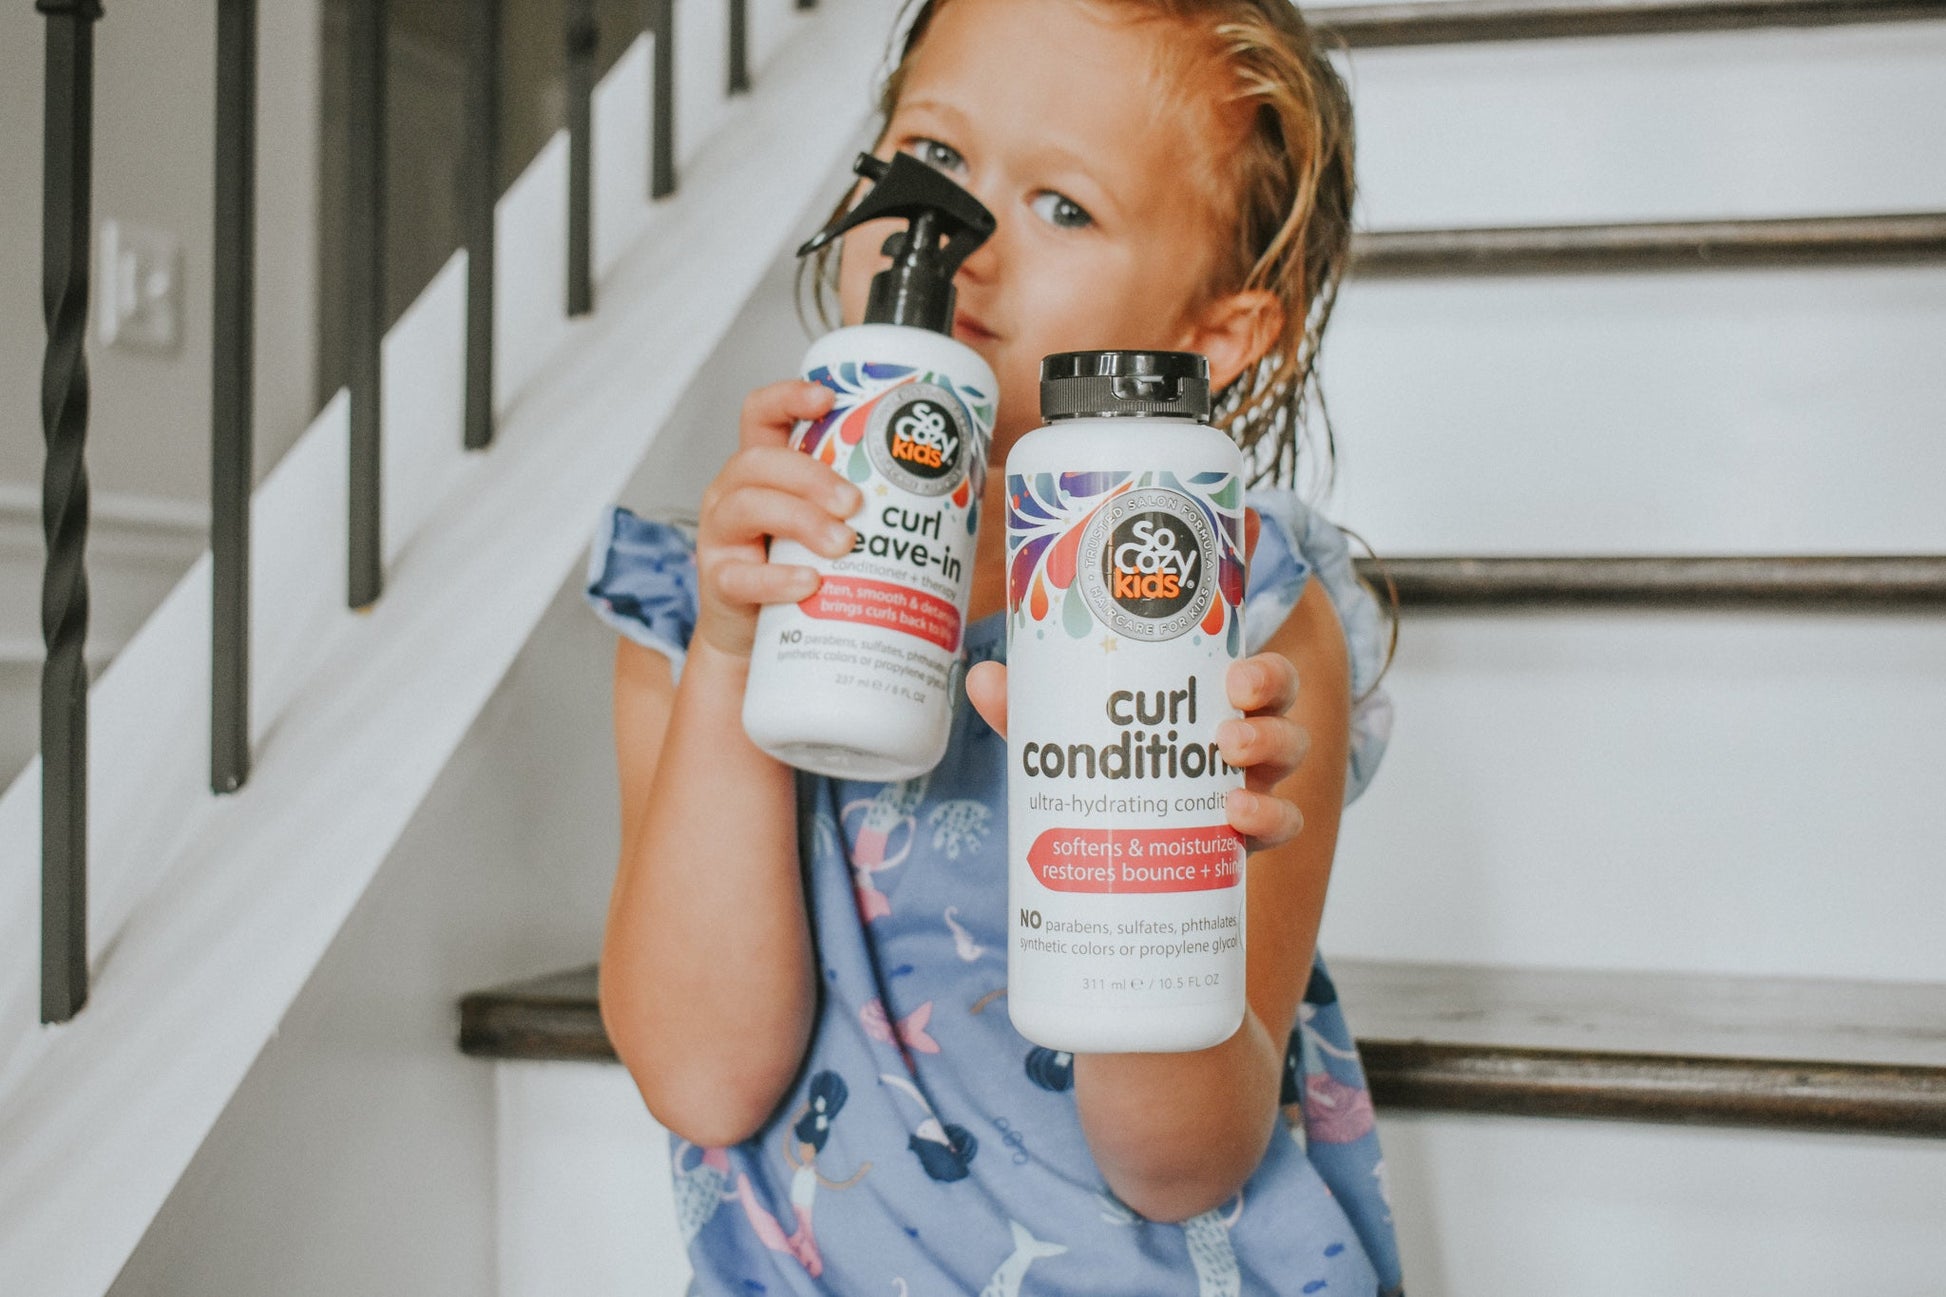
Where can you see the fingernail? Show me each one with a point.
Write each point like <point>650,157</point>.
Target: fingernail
<point>1246,801</point>
<point>1232,735</point>
<point>847,498</point>
<point>840,535</point>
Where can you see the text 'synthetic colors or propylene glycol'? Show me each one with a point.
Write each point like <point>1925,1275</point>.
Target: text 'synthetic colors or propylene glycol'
<point>1124,603</point>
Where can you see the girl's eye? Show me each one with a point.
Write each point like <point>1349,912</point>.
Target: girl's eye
<point>1058,209</point>
<point>934,154</point>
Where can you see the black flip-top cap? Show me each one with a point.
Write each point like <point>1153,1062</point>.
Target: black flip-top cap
<point>1093,384</point>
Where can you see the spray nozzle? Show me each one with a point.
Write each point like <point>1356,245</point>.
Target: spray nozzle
<point>947,224</point>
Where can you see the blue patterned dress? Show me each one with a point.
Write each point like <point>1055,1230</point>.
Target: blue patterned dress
<point>927,1149</point>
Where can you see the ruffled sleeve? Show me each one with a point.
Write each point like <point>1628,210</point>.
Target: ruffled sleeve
<point>642,581</point>
<point>1295,544</point>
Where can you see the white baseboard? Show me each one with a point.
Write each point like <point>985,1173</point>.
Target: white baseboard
<point>138,546</point>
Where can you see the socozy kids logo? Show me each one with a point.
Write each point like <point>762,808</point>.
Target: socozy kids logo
<point>917,438</point>
<point>1148,564</point>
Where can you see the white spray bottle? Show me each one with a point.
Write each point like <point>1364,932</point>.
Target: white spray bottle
<point>857,681</point>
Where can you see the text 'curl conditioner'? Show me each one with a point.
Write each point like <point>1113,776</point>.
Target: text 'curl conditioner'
<point>1125,567</point>
<point>857,681</point>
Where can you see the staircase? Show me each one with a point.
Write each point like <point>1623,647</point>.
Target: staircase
<point>209,915</point>
<point>1638,387</point>
<point>1654,849</point>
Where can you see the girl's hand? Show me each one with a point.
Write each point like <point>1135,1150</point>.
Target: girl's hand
<point>767,489</point>
<point>1265,744</point>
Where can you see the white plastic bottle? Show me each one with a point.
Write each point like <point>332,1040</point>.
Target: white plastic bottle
<point>857,681</point>
<point>1125,553</point>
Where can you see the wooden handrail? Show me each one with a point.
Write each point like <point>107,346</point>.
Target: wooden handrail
<point>1440,22</point>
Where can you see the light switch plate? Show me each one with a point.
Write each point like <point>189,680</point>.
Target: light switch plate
<point>139,293</point>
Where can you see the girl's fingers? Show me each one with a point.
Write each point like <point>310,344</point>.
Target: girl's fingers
<point>762,583</point>
<point>771,411</point>
<point>762,511</point>
<point>1266,748</point>
<point>986,689</point>
<point>1264,819</point>
<point>781,469</point>
<point>1264,683</point>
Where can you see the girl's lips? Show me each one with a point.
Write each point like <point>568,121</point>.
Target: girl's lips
<point>967,329</point>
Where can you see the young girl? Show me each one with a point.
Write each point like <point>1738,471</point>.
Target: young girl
<point>1167,174</point>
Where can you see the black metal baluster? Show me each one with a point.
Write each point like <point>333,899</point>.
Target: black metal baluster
<point>482,183</point>
<point>232,455</point>
<point>739,47</point>
<point>584,35</point>
<point>662,100</point>
<point>365,291</point>
<point>67,146</point>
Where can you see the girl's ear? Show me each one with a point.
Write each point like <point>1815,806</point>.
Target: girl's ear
<point>1235,331</point>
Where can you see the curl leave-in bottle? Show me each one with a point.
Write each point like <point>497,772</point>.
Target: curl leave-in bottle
<point>857,681</point>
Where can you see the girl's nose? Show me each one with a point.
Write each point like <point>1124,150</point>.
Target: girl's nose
<point>984,264</point>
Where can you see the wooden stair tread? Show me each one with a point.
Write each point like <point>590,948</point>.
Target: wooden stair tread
<point>1805,1054</point>
<point>1866,239</point>
<point>1803,1020</point>
<point>554,1016</point>
<point>1824,582</point>
<point>1439,22</point>
<point>1863,1057</point>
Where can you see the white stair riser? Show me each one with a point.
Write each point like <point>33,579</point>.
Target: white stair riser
<point>1690,792</point>
<point>1534,1208</point>
<point>1511,1206</point>
<point>1751,123</point>
<point>586,1207</point>
<point>1733,412</point>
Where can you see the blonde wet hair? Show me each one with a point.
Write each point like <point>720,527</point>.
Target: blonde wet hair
<point>1289,184</point>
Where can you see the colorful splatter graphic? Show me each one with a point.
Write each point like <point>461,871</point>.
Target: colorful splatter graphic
<point>1047,514</point>
<point>838,438</point>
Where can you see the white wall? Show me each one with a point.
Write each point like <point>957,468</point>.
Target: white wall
<point>148,426</point>
<point>154,133</point>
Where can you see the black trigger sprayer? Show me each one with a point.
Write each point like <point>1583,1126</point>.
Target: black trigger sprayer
<point>857,680</point>
<point>947,225</point>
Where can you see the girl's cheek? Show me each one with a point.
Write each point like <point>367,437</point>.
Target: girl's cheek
<point>851,298</point>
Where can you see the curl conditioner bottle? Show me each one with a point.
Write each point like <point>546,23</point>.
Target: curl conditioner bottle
<point>1125,552</point>
<point>857,681</point>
